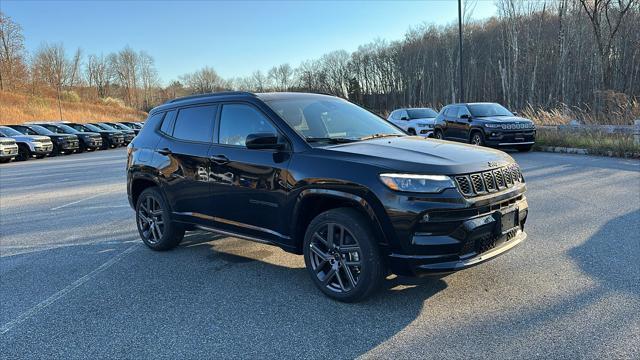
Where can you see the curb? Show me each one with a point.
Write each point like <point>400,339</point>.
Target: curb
<point>579,151</point>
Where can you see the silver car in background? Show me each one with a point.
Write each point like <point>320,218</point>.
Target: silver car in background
<point>8,149</point>
<point>28,145</point>
<point>415,121</point>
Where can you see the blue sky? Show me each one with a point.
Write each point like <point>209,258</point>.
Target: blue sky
<point>235,38</point>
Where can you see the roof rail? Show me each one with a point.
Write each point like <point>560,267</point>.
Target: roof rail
<point>221,93</point>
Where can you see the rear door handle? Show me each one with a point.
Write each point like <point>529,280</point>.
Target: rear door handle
<point>164,151</point>
<point>219,159</point>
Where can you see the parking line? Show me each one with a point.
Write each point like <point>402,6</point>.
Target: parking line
<point>53,298</point>
<point>74,202</point>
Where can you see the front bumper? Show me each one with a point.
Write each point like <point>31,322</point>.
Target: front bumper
<point>8,152</point>
<point>42,149</point>
<point>509,138</point>
<point>69,145</point>
<point>443,241</point>
<point>427,133</point>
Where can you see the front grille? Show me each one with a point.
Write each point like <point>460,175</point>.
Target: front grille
<point>480,183</point>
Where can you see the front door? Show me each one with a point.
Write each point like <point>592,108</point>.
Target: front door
<point>249,186</point>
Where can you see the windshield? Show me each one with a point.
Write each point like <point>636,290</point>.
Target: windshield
<point>68,129</point>
<point>330,118</point>
<point>120,126</point>
<point>91,127</point>
<point>482,110</point>
<point>421,113</point>
<point>7,131</point>
<point>104,126</point>
<point>40,130</point>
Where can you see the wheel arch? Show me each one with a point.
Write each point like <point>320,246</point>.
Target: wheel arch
<point>312,202</point>
<point>138,185</point>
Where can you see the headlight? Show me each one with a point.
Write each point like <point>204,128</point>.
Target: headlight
<point>492,125</point>
<point>417,183</point>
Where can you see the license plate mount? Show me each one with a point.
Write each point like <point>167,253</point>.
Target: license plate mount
<point>509,220</point>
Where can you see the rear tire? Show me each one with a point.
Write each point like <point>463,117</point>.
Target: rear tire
<point>155,224</point>
<point>524,148</point>
<point>345,266</point>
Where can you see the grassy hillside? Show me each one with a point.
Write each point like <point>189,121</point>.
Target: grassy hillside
<point>20,108</point>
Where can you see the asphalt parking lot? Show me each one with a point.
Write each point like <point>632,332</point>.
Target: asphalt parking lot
<point>76,282</point>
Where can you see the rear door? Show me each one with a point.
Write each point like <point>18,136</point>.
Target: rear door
<point>451,122</point>
<point>248,185</point>
<point>182,156</point>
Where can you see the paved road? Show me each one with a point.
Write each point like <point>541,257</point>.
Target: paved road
<point>76,282</point>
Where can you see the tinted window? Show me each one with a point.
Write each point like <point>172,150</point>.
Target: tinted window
<point>195,123</point>
<point>489,110</point>
<point>90,127</point>
<point>7,131</point>
<point>462,110</point>
<point>237,121</point>
<point>167,124</point>
<point>422,113</point>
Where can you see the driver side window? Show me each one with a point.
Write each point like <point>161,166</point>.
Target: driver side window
<point>237,121</point>
<point>462,110</point>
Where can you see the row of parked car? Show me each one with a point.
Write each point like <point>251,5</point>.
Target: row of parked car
<point>40,139</point>
<point>484,124</point>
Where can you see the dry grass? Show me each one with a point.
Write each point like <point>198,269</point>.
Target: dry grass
<point>616,114</point>
<point>20,108</point>
<point>596,142</point>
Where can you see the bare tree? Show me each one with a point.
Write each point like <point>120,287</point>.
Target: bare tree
<point>203,81</point>
<point>52,66</point>
<point>98,74</point>
<point>12,64</point>
<point>124,66</point>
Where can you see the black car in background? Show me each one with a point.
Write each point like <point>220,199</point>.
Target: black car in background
<point>488,124</point>
<point>88,140</point>
<point>128,134</point>
<point>62,143</point>
<point>136,127</point>
<point>324,178</point>
<point>110,138</point>
<point>123,127</point>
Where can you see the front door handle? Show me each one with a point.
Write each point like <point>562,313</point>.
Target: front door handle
<point>164,151</point>
<point>219,159</point>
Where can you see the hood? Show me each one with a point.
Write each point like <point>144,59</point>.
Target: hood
<point>63,136</point>
<point>413,154</point>
<point>505,119</point>
<point>7,141</point>
<point>425,120</point>
<point>29,138</point>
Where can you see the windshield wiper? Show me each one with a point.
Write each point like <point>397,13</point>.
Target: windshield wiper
<point>331,140</point>
<point>377,136</point>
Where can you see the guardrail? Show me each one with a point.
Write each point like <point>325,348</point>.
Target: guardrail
<point>608,129</point>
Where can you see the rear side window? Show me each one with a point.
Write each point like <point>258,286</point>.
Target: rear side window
<point>195,123</point>
<point>238,120</point>
<point>167,124</point>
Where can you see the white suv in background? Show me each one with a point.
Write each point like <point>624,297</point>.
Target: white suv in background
<point>28,145</point>
<point>8,149</point>
<point>415,121</point>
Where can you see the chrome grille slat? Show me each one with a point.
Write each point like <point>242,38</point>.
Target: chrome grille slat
<point>481,183</point>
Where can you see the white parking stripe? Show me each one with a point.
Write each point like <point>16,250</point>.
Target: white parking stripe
<point>75,202</point>
<point>50,300</point>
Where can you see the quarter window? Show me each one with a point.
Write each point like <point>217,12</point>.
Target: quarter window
<point>195,123</point>
<point>167,124</point>
<point>238,120</point>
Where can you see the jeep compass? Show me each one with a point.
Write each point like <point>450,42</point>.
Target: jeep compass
<point>319,176</point>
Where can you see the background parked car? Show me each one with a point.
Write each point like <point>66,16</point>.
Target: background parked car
<point>28,145</point>
<point>415,121</point>
<point>136,127</point>
<point>489,124</point>
<point>8,149</point>
<point>62,143</point>
<point>88,140</point>
<point>110,138</point>
<point>123,127</point>
<point>128,134</point>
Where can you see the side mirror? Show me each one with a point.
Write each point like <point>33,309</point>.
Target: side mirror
<point>515,113</point>
<point>465,116</point>
<point>404,118</point>
<point>259,141</point>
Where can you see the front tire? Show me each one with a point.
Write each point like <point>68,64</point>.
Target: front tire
<point>411,132</point>
<point>477,138</point>
<point>342,256</point>
<point>438,135</point>
<point>155,224</point>
<point>24,153</point>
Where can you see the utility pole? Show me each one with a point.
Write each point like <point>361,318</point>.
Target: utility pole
<point>460,45</point>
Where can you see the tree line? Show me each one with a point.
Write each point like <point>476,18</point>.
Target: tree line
<point>532,54</point>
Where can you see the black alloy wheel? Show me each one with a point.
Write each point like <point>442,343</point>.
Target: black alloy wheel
<point>154,222</point>
<point>477,138</point>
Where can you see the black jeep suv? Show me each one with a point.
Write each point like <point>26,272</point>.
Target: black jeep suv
<point>320,176</point>
<point>487,124</point>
